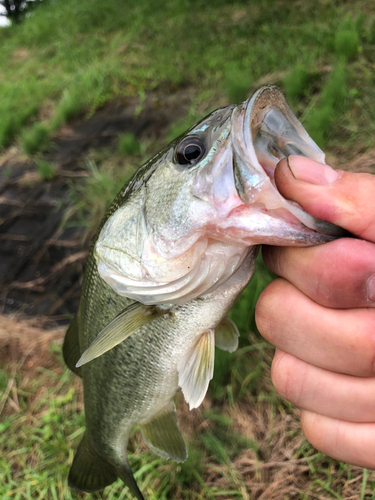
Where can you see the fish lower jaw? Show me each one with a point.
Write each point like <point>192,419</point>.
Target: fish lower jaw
<point>253,225</point>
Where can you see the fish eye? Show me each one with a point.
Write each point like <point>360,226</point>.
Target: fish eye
<point>190,151</point>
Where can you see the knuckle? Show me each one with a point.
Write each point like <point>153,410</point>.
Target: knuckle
<point>340,273</point>
<point>262,313</point>
<point>360,332</point>
<point>266,310</point>
<point>311,428</point>
<point>280,375</point>
<point>285,377</point>
<point>368,347</point>
<point>355,195</point>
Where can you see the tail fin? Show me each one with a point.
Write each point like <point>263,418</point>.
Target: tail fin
<point>89,472</point>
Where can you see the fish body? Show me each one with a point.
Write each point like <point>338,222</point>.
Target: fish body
<point>173,253</point>
<point>129,386</point>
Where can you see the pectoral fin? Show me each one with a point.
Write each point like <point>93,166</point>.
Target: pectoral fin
<point>196,370</point>
<point>163,436</point>
<point>125,324</point>
<point>226,335</point>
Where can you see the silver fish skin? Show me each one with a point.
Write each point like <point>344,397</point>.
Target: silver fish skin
<point>174,251</point>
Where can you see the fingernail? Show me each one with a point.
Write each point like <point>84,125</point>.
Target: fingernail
<point>311,171</point>
<point>370,288</point>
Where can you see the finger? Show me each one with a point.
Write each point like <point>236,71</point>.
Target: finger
<point>334,395</point>
<point>343,198</point>
<point>340,274</point>
<point>335,339</point>
<point>347,441</point>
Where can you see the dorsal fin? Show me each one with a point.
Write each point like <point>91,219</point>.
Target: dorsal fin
<point>120,328</point>
<point>226,335</point>
<point>163,436</point>
<point>196,369</point>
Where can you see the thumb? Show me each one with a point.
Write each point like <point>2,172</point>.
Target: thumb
<point>342,198</point>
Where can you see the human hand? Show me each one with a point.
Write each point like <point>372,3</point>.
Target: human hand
<point>320,313</point>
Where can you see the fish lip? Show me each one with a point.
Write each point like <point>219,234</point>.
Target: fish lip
<point>262,121</point>
<point>248,225</point>
<point>268,112</point>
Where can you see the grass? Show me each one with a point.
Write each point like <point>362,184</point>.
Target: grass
<point>46,170</point>
<point>243,450</point>
<point>34,138</point>
<point>237,82</point>
<point>333,100</point>
<point>295,83</point>
<point>90,199</point>
<point>128,144</point>
<point>222,49</point>
<point>347,39</point>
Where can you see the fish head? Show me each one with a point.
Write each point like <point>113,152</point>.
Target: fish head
<point>187,220</point>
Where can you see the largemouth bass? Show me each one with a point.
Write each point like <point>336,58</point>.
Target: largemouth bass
<point>175,249</point>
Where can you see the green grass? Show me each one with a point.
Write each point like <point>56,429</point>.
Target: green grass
<point>90,199</point>
<point>34,138</point>
<point>333,100</point>
<point>347,43</point>
<point>35,441</point>
<point>128,144</point>
<point>77,56</point>
<point>295,82</point>
<point>347,38</point>
<point>234,451</point>
<point>46,170</point>
<point>237,82</point>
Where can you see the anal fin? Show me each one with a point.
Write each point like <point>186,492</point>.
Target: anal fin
<point>71,350</point>
<point>196,369</point>
<point>163,436</point>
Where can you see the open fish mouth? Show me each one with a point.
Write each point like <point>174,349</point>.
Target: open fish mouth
<point>265,130</point>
